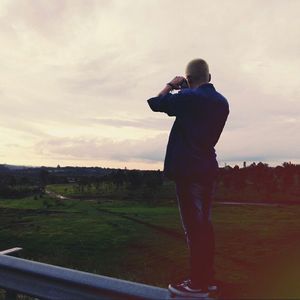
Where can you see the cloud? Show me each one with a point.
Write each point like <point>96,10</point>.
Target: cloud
<point>104,149</point>
<point>264,141</point>
<point>83,69</point>
<point>145,123</point>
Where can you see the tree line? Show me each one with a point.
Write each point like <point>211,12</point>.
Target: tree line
<point>260,182</point>
<point>256,182</point>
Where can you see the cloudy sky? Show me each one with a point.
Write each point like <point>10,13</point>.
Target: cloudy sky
<point>75,76</point>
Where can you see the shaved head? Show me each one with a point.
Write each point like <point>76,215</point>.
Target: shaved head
<point>197,70</point>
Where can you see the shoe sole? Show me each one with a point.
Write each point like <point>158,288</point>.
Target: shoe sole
<point>213,288</point>
<point>176,292</point>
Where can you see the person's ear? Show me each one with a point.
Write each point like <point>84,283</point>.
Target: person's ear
<point>189,79</point>
<point>209,77</point>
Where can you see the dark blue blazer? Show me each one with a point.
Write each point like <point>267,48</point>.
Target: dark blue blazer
<point>200,114</point>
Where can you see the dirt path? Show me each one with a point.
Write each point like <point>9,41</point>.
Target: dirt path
<point>58,196</point>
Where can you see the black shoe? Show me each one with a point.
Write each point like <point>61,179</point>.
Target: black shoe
<point>185,289</point>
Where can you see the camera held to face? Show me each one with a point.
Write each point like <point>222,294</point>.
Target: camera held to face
<point>184,84</point>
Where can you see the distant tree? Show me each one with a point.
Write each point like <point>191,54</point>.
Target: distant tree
<point>12,181</point>
<point>24,180</point>
<point>225,177</point>
<point>134,178</point>
<point>238,178</point>
<point>259,174</point>
<point>82,183</point>
<point>118,178</point>
<point>270,186</point>
<point>278,174</point>
<point>97,183</point>
<point>288,173</point>
<point>44,176</point>
<point>154,179</point>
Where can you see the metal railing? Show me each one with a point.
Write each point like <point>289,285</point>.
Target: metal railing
<point>11,251</point>
<point>56,283</point>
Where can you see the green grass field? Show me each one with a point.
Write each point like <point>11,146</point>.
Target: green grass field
<point>257,248</point>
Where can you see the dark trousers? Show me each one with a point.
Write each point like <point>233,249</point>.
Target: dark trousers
<point>194,201</point>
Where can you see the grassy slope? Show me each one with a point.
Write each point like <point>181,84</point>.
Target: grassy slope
<point>256,246</point>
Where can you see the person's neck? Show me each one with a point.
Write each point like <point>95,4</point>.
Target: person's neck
<point>197,84</point>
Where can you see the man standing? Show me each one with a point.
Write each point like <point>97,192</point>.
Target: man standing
<point>201,113</point>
